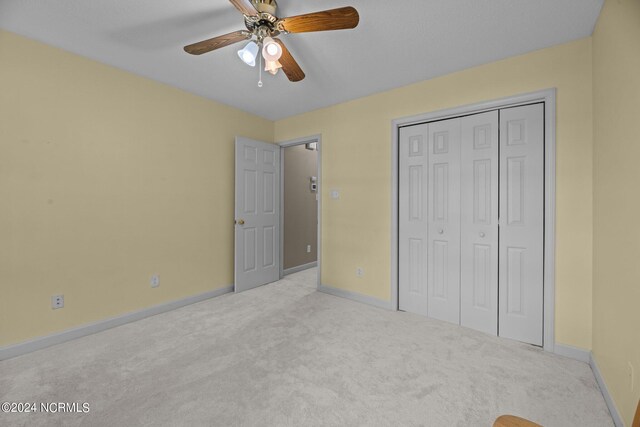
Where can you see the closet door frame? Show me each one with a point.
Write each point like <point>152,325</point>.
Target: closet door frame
<point>548,97</point>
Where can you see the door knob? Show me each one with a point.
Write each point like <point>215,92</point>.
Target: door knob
<point>482,234</point>
<point>440,231</point>
<point>241,221</point>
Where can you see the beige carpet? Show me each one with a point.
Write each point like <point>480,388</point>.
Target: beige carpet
<point>286,355</point>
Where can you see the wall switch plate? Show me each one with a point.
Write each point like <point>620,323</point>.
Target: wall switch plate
<point>155,281</point>
<point>359,272</point>
<point>57,301</point>
<point>308,249</point>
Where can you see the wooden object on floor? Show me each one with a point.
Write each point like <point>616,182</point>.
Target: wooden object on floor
<point>513,421</point>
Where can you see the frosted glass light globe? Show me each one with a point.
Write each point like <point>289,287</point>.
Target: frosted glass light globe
<point>271,50</point>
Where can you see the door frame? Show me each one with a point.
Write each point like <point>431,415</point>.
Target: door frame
<point>291,143</point>
<point>548,97</point>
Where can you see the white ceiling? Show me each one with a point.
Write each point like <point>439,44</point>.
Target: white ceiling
<point>398,42</point>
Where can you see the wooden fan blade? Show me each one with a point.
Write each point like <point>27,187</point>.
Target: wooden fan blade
<point>289,65</point>
<point>217,42</point>
<point>245,7</point>
<point>334,19</point>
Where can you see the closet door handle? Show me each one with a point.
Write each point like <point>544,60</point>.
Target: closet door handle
<point>440,231</point>
<point>482,234</point>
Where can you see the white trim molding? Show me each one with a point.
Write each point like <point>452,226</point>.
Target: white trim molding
<point>354,296</point>
<point>571,352</point>
<point>613,410</point>
<point>298,268</point>
<point>549,98</point>
<point>587,357</point>
<point>19,349</point>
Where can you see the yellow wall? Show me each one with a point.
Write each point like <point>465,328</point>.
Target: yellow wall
<point>616,290</point>
<point>356,159</point>
<point>105,179</point>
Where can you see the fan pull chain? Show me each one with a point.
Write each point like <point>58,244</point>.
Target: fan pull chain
<point>260,70</point>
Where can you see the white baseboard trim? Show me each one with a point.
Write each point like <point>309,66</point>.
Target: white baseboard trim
<point>299,268</point>
<point>617,419</point>
<point>586,356</point>
<point>572,352</point>
<point>8,352</point>
<point>364,299</point>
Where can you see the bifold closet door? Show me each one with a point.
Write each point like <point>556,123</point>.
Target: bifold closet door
<point>521,265</point>
<point>412,217</point>
<point>429,219</point>
<point>479,223</point>
<point>443,223</point>
<point>471,221</point>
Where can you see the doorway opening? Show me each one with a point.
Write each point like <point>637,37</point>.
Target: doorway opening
<point>300,189</point>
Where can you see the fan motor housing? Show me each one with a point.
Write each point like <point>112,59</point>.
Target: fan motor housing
<point>265,22</point>
<point>265,6</point>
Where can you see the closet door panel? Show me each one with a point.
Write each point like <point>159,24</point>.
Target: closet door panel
<point>521,266</point>
<point>479,223</point>
<point>412,214</point>
<point>443,229</point>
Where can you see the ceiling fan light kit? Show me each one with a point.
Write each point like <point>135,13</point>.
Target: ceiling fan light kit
<point>271,51</point>
<point>263,27</point>
<point>249,53</point>
<point>272,67</point>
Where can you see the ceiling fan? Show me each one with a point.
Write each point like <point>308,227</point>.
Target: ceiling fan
<point>263,26</point>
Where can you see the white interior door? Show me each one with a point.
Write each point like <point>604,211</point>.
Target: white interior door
<point>443,228</point>
<point>479,223</point>
<point>257,213</point>
<point>412,250</point>
<point>521,223</point>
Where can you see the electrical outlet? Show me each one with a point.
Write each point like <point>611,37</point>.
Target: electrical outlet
<point>57,301</point>
<point>359,272</point>
<point>155,281</point>
<point>631,376</point>
<point>308,249</point>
